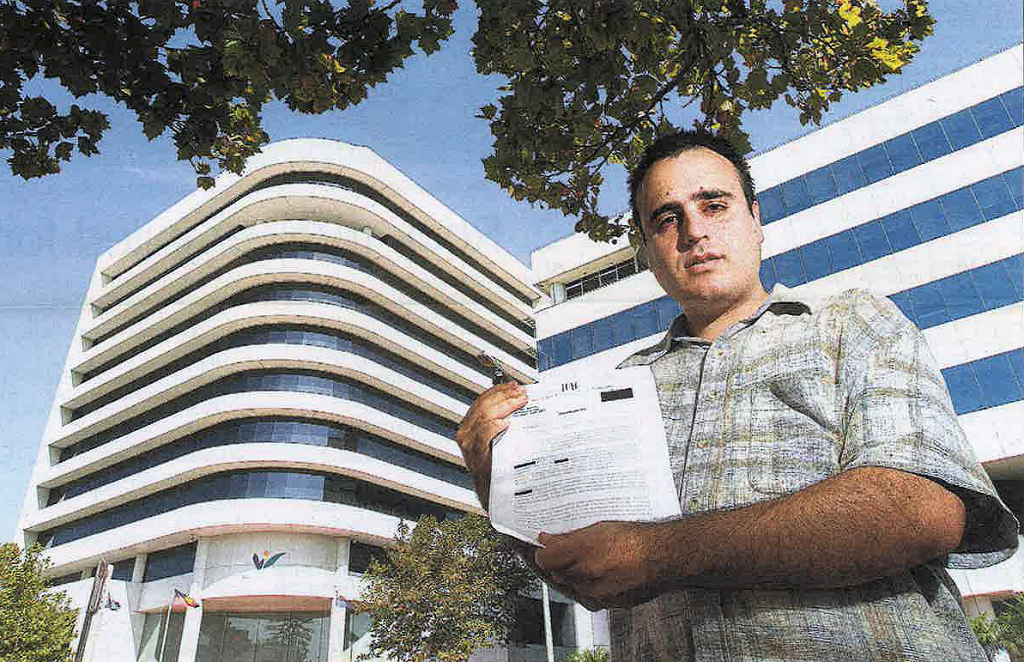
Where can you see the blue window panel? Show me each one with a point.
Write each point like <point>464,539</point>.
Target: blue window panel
<point>604,334</point>
<point>668,310</point>
<point>930,306</point>
<point>1013,102</point>
<point>961,209</point>
<point>561,352</point>
<point>1016,358</point>
<point>770,203</point>
<point>844,250</point>
<point>821,186</point>
<point>963,388</point>
<point>1015,266</point>
<point>817,263</point>
<point>905,304</point>
<point>991,117</point>
<point>1014,180</point>
<point>902,152</point>
<point>900,230</point>
<point>790,269</point>
<point>645,319</point>
<point>795,196</point>
<point>994,198</point>
<point>961,297</point>
<point>961,129</point>
<point>931,141</point>
<point>848,174</point>
<point>930,219</point>
<point>767,273</point>
<point>998,385</point>
<point>871,240</point>
<point>874,162</point>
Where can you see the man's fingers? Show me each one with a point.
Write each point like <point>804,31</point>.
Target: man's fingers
<point>555,556</point>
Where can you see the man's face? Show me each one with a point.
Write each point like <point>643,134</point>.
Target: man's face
<point>703,243</point>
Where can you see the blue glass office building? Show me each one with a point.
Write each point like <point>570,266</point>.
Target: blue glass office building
<point>918,199</point>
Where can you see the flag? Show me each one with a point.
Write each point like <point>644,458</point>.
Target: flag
<point>347,603</point>
<point>187,599</point>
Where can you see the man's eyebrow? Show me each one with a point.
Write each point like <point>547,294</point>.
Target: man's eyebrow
<point>711,194</point>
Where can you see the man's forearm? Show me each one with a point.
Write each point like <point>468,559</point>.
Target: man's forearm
<point>858,526</point>
<point>852,528</point>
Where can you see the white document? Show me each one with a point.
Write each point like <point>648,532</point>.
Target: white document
<point>584,449</point>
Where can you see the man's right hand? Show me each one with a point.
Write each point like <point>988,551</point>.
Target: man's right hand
<point>486,419</point>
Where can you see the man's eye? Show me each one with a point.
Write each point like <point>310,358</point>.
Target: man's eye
<point>715,207</point>
<point>666,220</point>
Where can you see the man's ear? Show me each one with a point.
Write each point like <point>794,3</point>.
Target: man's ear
<point>755,211</point>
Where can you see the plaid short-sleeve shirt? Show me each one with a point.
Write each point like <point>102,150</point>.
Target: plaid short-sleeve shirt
<point>801,391</point>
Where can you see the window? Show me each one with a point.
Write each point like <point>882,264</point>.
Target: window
<point>1013,102</point>
<point>961,209</point>
<point>993,197</point>
<point>992,117</point>
<point>790,269</point>
<point>998,383</point>
<point>844,251</point>
<point>170,562</point>
<point>848,174</point>
<point>931,141</point>
<point>123,569</point>
<point>871,240</point>
<point>264,637</point>
<point>605,277</point>
<point>875,164</point>
<point>817,263</point>
<point>930,219</point>
<point>795,195</point>
<point>821,186</point>
<point>529,627</point>
<point>770,203</point>
<point>961,129</point>
<point>902,152</point>
<point>767,274</point>
<point>153,637</point>
<point>360,555</point>
<point>963,388</point>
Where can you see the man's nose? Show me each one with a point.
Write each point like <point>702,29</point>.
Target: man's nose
<point>691,231</point>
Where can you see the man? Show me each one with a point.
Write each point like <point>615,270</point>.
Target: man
<point>822,474</point>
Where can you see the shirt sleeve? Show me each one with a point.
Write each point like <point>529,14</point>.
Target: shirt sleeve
<point>899,415</point>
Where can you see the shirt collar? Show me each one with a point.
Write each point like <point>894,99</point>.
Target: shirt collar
<point>678,331</point>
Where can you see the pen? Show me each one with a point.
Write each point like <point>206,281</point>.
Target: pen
<point>498,373</point>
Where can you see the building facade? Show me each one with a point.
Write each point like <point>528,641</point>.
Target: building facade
<point>264,380</point>
<point>919,199</point>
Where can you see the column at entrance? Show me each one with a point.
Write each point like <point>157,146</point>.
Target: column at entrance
<point>194,617</point>
<point>336,636</point>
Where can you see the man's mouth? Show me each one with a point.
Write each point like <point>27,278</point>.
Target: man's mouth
<point>702,258</point>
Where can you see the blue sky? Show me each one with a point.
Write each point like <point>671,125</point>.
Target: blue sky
<point>422,121</point>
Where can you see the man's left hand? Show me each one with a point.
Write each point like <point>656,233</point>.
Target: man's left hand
<point>604,562</point>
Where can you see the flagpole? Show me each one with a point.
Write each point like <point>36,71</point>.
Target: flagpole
<point>167,626</point>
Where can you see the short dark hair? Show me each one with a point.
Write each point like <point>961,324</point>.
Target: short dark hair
<point>676,143</point>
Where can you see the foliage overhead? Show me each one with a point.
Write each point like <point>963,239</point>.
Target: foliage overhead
<point>596,83</point>
<point>589,83</point>
<point>446,589</point>
<point>36,625</point>
<point>202,69</point>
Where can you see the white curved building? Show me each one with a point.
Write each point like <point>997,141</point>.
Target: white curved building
<point>264,379</point>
